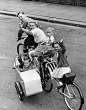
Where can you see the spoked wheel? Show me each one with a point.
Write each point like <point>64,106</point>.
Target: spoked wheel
<point>19,90</point>
<point>47,82</point>
<point>20,48</point>
<point>74,99</point>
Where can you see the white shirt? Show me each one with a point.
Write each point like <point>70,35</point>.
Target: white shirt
<point>39,35</point>
<point>51,39</point>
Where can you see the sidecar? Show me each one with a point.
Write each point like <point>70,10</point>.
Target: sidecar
<point>28,81</point>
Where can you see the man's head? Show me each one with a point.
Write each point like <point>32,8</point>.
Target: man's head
<point>20,15</point>
<point>50,31</point>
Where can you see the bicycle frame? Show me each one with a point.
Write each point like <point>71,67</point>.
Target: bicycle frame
<point>61,92</point>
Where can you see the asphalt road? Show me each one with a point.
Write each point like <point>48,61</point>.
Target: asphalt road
<point>75,41</point>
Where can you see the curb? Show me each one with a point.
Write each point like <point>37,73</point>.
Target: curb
<point>49,19</point>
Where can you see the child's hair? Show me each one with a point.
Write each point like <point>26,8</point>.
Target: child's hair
<point>33,21</point>
<point>50,29</point>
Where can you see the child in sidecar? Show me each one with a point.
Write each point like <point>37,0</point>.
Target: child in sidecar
<point>28,80</point>
<point>23,62</point>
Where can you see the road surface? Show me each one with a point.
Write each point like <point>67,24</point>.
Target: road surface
<point>75,41</point>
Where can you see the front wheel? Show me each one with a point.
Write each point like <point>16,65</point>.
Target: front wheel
<point>47,82</point>
<point>74,98</point>
<point>47,86</point>
<point>20,48</point>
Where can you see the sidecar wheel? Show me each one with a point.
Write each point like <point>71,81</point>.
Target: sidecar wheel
<point>19,90</point>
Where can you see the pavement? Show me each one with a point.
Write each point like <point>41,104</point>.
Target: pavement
<point>55,13</point>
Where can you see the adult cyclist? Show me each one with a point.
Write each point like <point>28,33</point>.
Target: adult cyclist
<point>29,41</point>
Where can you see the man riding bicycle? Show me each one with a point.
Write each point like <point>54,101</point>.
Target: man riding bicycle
<point>29,41</point>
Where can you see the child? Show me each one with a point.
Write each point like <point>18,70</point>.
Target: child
<point>50,36</point>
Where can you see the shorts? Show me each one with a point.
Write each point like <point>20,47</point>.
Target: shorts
<point>41,49</point>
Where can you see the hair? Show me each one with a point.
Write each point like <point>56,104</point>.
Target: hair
<point>50,29</point>
<point>19,13</point>
<point>34,23</point>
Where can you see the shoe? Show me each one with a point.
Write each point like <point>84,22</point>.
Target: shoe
<point>59,89</point>
<point>60,85</point>
<point>21,66</point>
<point>21,70</point>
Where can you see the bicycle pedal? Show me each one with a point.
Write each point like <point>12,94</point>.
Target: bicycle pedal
<point>59,87</point>
<point>59,90</point>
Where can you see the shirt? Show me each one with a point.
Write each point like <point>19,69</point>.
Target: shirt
<point>25,21</point>
<point>50,39</point>
<point>39,35</point>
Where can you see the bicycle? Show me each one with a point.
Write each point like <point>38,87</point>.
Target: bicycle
<point>72,93</point>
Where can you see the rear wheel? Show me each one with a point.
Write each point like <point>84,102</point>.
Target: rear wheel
<point>19,90</point>
<point>75,98</point>
<point>20,48</point>
<point>47,82</point>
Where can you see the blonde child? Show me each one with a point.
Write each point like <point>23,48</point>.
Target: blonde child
<point>50,36</point>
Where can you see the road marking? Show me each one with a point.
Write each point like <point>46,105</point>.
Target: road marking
<point>4,57</point>
<point>6,16</point>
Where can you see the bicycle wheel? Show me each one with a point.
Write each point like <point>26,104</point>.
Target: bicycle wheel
<point>19,90</point>
<point>20,48</point>
<point>47,82</point>
<point>48,85</point>
<point>75,98</point>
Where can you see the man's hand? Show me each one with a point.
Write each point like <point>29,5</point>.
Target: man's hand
<point>18,39</point>
<point>20,25</point>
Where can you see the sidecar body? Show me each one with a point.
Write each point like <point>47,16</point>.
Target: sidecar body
<point>28,81</point>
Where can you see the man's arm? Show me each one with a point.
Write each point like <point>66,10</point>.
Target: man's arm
<point>24,25</point>
<point>27,31</point>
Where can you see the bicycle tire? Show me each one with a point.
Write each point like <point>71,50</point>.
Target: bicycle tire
<point>19,90</point>
<point>18,48</point>
<point>46,87</point>
<point>47,82</point>
<point>74,99</point>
